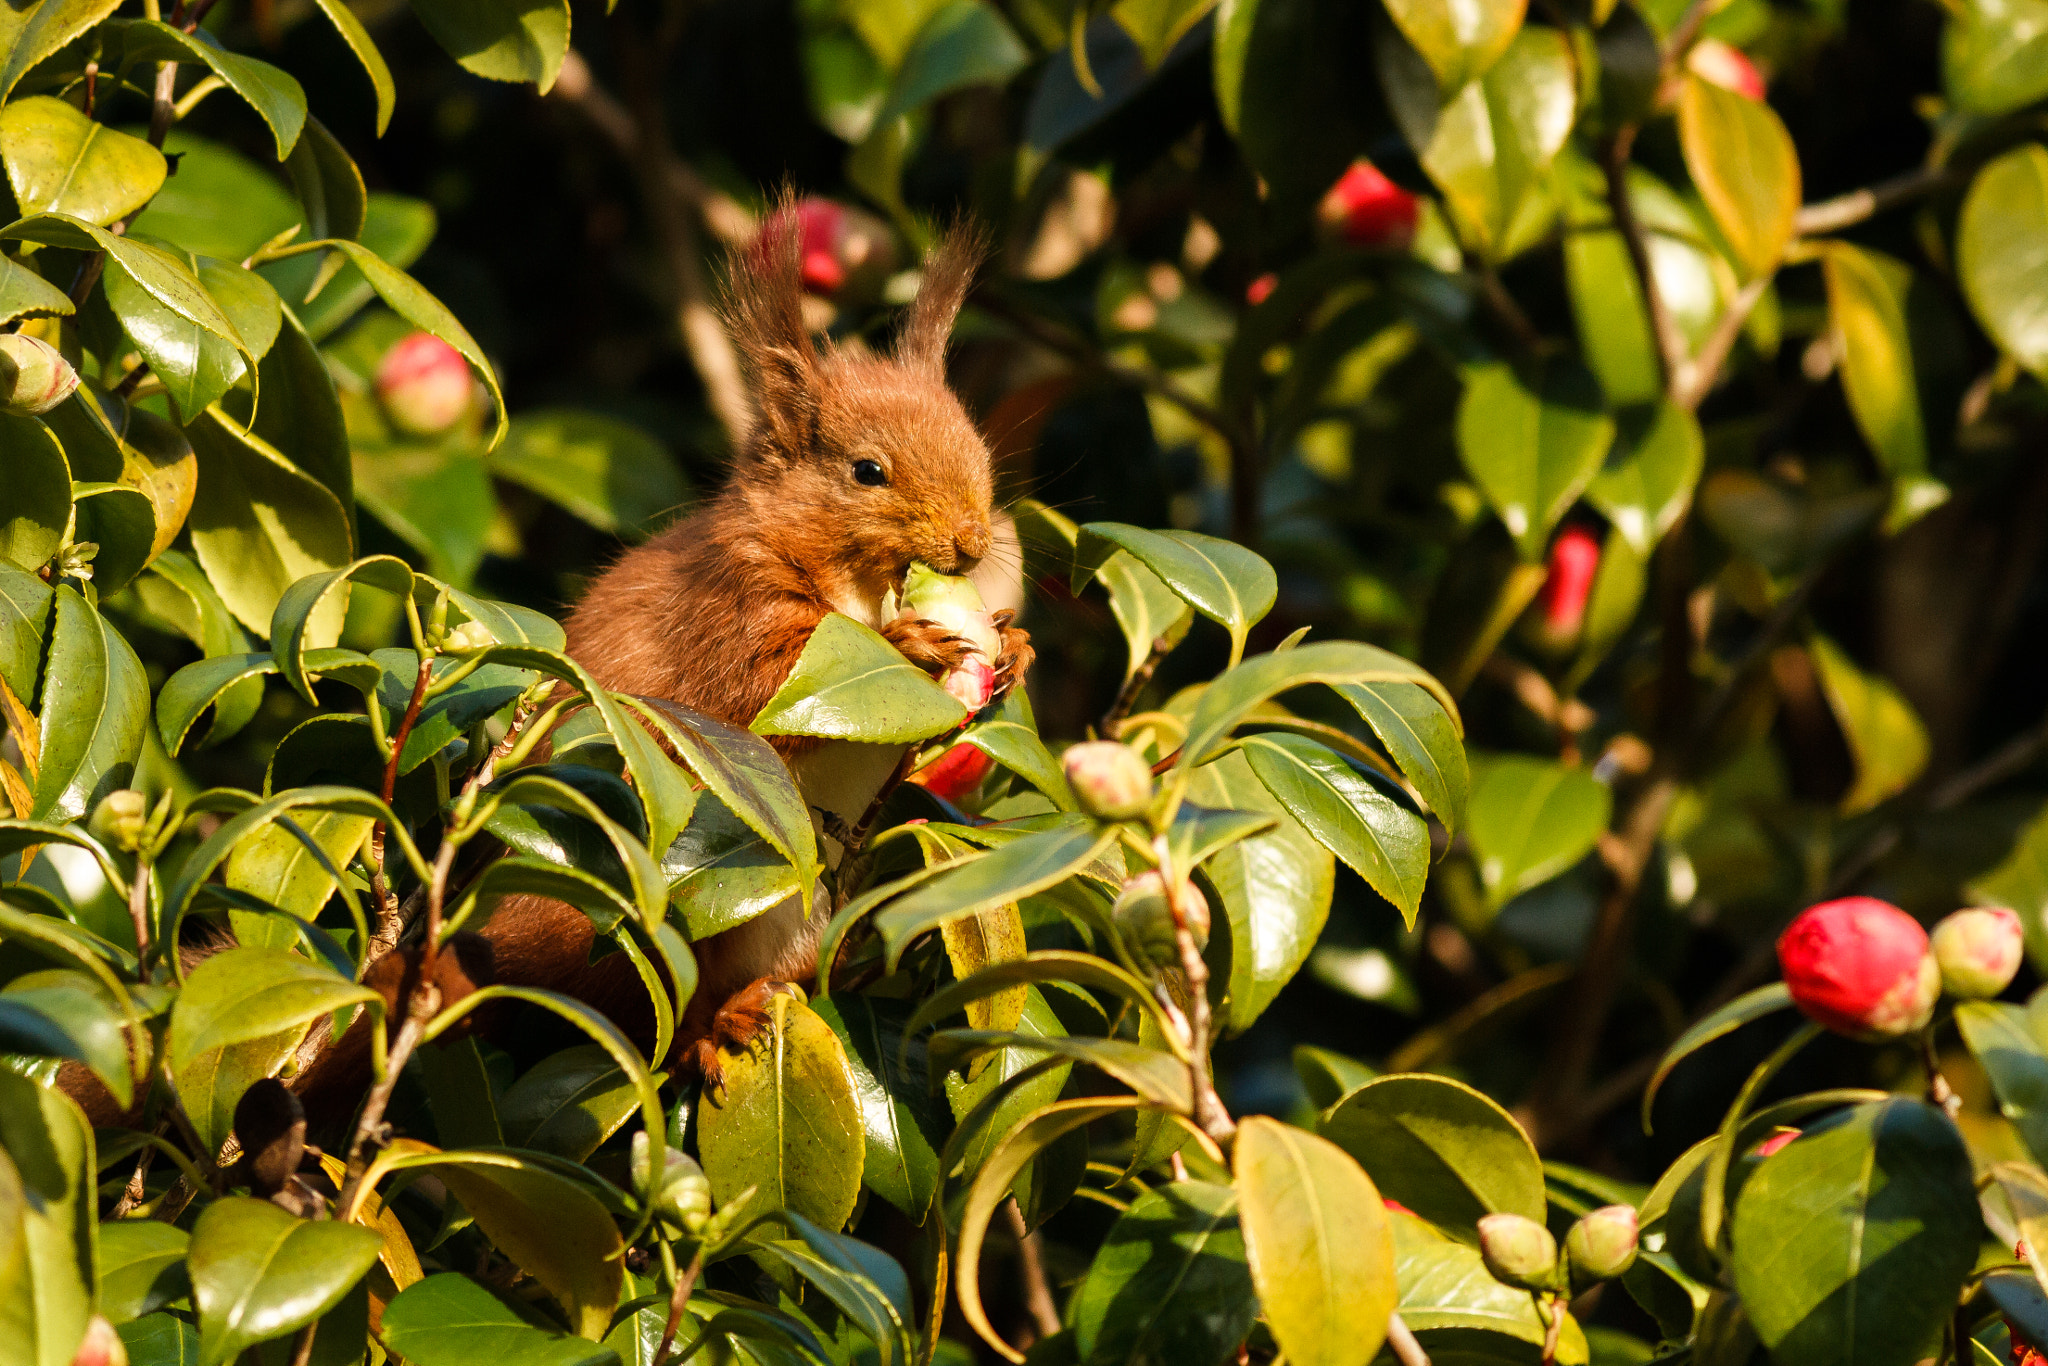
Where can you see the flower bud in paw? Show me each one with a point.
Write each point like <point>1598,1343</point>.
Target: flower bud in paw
<point>1979,950</point>
<point>954,603</point>
<point>1860,967</point>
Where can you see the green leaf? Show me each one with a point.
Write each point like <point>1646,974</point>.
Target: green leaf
<point>539,789</point>
<point>1169,1285</point>
<point>217,682</point>
<point>309,613</point>
<point>1650,474</point>
<point>1530,819</point>
<point>450,1320</point>
<point>851,684</point>
<point>843,1280</point>
<point>142,1267</point>
<point>787,1120</point>
<point>95,704</point>
<point>553,1228</point>
<point>1274,889</point>
<point>2002,251</point>
<point>1532,449</point>
<point>31,32</point>
<point>1743,164</point>
<point>276,867</point>
<point>1998,1037</point>
<point>1327,1076</point>
<point>301,413</point>
<point>25,294</point>
<point>2020,881</point>
<point>1422,739</point>
<point>68,1014</point>
<point>259,1273</point>
<point>1226,583</point>
<point>1016,1083</point>
<point>1157,1076</point>
<point>1440,1148</point>
<point>122,523</point>
<point>1886,738</point>
<point>259,523</point>
<point>242,994</point>
<point>59,161</point>
<point>1379,839</point>
<point>25,623</point>
<point>1006,874</point>
<point>359,42</point>
<point>1751,1005</point>
<point>1994,56</point>
<point>48,1241</point>
<point>1851,1243</point>
<point>568,1103</point>
<point>1046,965</point>
<point>275,95</point>
<point>327,182</point>
<point>220,203</point>
<point>966,43</point>
<point>501,40</point>
<point>1017,747</point>
<point>1227,700</point>
<point>891,1085</point>
<point>1149,613</point>
<point>1319,1243</point>
<point>722,874</point>
<point>1867,306</point>
<point>160,1340</point>
<point>610,473</point>
<point>1448,1296</point>
<point>436,498</point>
<point>38,510</point>
<point>1460,42</point>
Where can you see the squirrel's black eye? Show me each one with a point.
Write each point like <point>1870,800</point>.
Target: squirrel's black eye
<point>869,473</point>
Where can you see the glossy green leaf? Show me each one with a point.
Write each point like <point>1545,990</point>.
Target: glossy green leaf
<point>610,473</point>
<point>1379,839</point>
<point>25,294</point>
<point>259,524</point>
<point>851,684</point>
<point>95,704</point>
<point>1885,736</point>
<point>1998,1037</point>
<point>1017,747</point>
<point>309,613</point>
<point>568,1103</point>
<point>450,1320</point>
<point>721,873</point>
<point>1867,309</point>
<point>844,1282</point>
<point>1222,580</point>
<point>176,592</point>
<point>1006,874</point>
<point>502,40</point>
<point>160,1340</point>
<point>1274,889</point>
<point>1530,819</point>
<point>435,497</point>
<point>38,509</point>
<point>31,32</point>
<point>1532,450</point>
<point>1148,612</point>
<point>1157,1076</point>
<point>328,184</point>
<point>259,1273</point>
<point>1016,1083</point>
<point>1743,163</point>
<point>48,1236</point>
<point>120,521</point>
<point>1449,1299</point>
<point>220,203</point>
<point>1851,1243</point>
<point>1994,55</point>
<point>1440,1148</point>
<point>545,789</point>
<point>1045,965</point>
<point>60,161</point>
<point>2002,249</point>
<point>1319,1243</point>
<point>1649,477</point>
<point>300,416</point>
<point>745,774</point>
<point>1460,42</point>
<point>25,625</point>
<point>68,1014</point>
<point>891,1085</point>
<point>1751,1005</point>
<point>1328,1076</point>
<point>275,95</point>
<point>1169,1286</point>
<point>359,42</point>
<point>787,1120</point>
<point>142,1267</point>
<point>241,994</point>
<point>1422,739</point>
<point>1227,700</point>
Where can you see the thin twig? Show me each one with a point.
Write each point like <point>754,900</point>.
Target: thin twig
<point>1112,723</point>
<point>677,1300</point>
<point>163,107</point>
<point>1509,312</point>
<point>1208,1106</point>
<point>1695,378</point>
<point>1847,210</point>
<point>137,1187</point>
<point>302,1349</point>
<point>138,907</point>
<point>1045,1314</point>
<point>390,923</point>
<point>1401,1339</point>
<point>1664,331</point>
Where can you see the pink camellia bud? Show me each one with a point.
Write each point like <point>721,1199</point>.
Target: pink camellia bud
<point>1261,289</point>
<point>424,385</point>
<point>1365,209</point>
<point>1726,66</point>
<point>973,682</point>
<point>1979,950</point>
<point>102,1346</point>
<point>953,602</point>
<point>1518,1251</point>
<point>955,773</point>
<point>34,376</point>
<point>1110,780</point>
<point>1142,913</point>
<point>1574,561</point>
<point>1602,1245</point>
<point>1774,1143</point>
<point>1860,967</point>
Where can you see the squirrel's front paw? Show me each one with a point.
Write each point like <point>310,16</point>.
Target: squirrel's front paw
<point>927,644</point>
<point>1014,661</point>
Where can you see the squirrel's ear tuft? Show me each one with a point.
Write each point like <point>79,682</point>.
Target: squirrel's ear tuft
<point>948,272</point>
<point>764,313</point>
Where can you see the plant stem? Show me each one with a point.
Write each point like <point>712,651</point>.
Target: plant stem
<point>138,905</point>
<point>677,1300</point>
<point>1031,1271</point>
<point>1847,210</point>
<point>1550,1308</point>
<point>1112,723</point>
<point>1696,377</point>
<point>1401,1340</point>
<point>390,924</point>
<point>1208,1106</point>
<point>302,1349</point>
<point>1663,327</point>
<point>163,110</point>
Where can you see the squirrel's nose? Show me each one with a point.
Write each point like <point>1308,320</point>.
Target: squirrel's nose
<point>971,540</point>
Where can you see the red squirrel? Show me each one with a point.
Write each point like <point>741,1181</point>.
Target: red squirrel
<point>857,464</point>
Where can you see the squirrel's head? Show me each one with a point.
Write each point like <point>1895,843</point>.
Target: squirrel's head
<point>874,450</point>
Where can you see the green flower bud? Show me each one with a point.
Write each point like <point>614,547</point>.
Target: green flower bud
<point>1145,918</point>
<point>1602,1245</point>
<point>1518,1251</point>
<point>468,638</point>
<point>1110,780</point>
<point>1979,950</point>
<point>34,376</point>
<point>682,1200</point>
<point>121,819</point>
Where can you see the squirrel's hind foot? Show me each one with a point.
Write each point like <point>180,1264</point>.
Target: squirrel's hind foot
<point>927,644</point>
<point>733,1030</point>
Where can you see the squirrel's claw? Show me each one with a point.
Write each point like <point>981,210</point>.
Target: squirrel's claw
<point>927,644</point>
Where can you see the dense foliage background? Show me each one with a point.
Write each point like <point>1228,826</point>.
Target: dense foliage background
<point>1664,379</point>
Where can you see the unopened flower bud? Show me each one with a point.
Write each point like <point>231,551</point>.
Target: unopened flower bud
<point>682,1197</point>
<point>1860,967</point>
<point>1979,950</point>
<point>842,251</point>
<point>101,1346</point>
<point>1518,1251</point>
<point>424,385</point>
<point>1775,1143</point>
<point>1365,209</point>
<point>1142,913</point>
<point>953,602</point>
<point>1602,1245</point>
<point>34,376</point>
<point>468,638</point>
<point>1110,780</point>
<point>121,819</point>
<point>1713,60</point>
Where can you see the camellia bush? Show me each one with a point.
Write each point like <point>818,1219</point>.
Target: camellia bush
<point>1547,980</point>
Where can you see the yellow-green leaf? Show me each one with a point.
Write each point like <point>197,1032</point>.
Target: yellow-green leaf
<point>1744,165</point>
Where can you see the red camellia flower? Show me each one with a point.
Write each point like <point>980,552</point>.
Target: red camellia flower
<point>955,773</point>
<point>1726,66</point>
<point>424,385</point>
<point>1365,209</point>
<point>835,243</point>
<point>1261,289</point>
<point>1574,560</point>
<point>1775,1142</point>
<point>1860,967</point>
